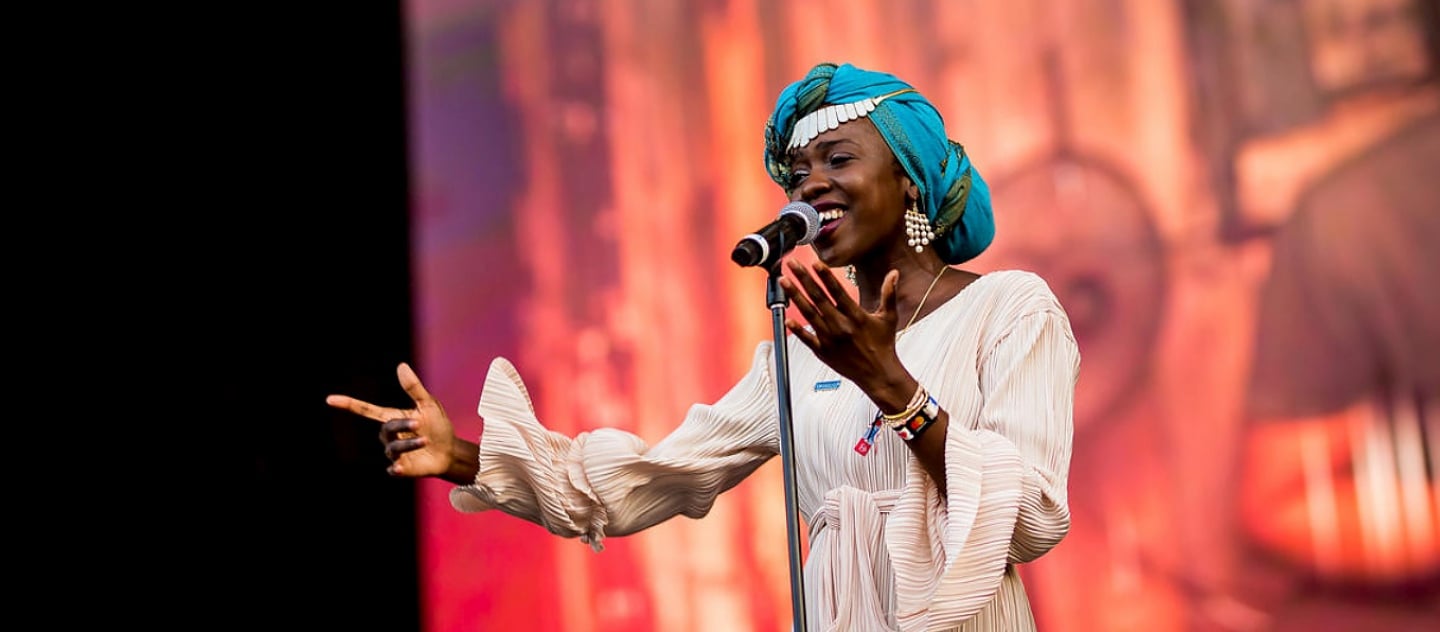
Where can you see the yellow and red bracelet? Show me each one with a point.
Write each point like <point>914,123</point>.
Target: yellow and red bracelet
<point>916,402</point>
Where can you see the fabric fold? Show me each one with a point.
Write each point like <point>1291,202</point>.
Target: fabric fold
<point>852,585</point>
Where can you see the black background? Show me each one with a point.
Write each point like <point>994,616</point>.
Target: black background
<point>313,268</point>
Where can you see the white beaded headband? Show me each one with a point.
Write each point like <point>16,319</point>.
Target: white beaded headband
<point>831,116</point>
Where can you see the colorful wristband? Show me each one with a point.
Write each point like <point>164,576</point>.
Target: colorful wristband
<point>920,422</point>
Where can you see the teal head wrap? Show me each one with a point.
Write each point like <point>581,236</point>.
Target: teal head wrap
<point>952,193</point>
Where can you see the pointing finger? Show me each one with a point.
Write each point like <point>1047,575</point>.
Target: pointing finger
<point>362,408</point>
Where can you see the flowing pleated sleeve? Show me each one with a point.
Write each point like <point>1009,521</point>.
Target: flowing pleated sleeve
<point>1005,478</point>
<point>609,482</point>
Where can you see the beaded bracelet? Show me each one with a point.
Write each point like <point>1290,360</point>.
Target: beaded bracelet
<point>918,416</point>
<point>921,421</point>
<point>916,402</point>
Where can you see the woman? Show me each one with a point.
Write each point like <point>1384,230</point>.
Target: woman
<point>932,418</point>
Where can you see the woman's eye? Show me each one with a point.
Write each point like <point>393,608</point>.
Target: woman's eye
<point>796,177</point>
<point>839,159</point>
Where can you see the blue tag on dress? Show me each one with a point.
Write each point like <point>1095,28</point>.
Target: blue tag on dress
<point>827,385</point>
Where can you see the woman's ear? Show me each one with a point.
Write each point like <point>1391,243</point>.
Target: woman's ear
<point>912,191</point>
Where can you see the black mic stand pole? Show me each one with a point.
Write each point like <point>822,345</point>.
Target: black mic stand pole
<point>776,299</point>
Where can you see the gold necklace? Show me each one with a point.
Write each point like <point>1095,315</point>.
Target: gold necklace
<point>922,301</point>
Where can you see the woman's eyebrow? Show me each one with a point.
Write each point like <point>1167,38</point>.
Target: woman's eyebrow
<point>820,147</point>
<point>827,144</point>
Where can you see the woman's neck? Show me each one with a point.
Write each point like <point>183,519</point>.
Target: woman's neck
<point>917,276</point>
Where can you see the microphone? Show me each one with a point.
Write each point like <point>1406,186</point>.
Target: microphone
<point>797,225</point>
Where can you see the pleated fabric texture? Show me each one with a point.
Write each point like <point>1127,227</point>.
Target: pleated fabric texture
<point>887,550</point>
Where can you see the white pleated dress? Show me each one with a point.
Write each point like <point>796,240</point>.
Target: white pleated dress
<point>887,552</point>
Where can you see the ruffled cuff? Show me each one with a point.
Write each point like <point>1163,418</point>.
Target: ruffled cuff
<point>950,553</point>
<point>526,470</point>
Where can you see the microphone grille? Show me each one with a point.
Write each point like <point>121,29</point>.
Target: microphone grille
<point>809,215</point>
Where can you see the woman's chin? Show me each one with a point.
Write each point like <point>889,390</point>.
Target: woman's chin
<point>828,255</point>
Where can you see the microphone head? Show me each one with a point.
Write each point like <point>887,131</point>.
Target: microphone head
<point>809,215</point>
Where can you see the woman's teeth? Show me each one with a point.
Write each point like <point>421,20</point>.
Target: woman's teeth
<point>832,214</point>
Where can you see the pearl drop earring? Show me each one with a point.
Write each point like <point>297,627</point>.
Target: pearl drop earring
<point>918,228</point>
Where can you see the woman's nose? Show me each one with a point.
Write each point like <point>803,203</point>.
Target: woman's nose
<point>814,185</point>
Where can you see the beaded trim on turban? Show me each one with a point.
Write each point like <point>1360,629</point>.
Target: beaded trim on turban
<point>831,116</point>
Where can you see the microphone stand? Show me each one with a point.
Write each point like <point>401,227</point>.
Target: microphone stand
<point>776,299</point>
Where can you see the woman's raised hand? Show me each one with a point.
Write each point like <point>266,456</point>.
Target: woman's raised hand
<point>859,345</point>
<point>419,441</point>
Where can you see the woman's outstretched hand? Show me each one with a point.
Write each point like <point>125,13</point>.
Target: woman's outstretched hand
<point>419,441</point>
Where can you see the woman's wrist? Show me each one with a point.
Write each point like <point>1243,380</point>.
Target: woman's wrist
<point>892,393</point>
<point>464,462</point>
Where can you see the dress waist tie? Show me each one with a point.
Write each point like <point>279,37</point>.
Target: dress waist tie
<point>849,592</point>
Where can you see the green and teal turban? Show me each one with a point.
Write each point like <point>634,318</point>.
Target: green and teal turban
<point>952,193</point>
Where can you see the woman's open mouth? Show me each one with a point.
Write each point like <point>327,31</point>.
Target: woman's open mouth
<point>829,220</point>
